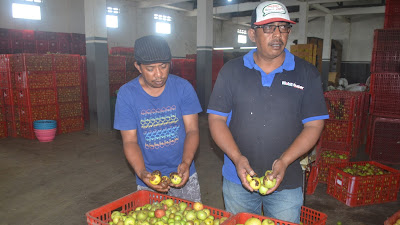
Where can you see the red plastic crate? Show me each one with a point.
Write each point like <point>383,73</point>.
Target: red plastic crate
<point>63,36</point>
<point>4,80</point>
<point>41,112</point>
<point>25,130</point>
<point>117,76</point>
<point>385,147</point>
<point>78,47</point>
<point>53,46</point>
<point>312,179</point>
<point>337,133</point>
<point>22,34</point>
<point>116,62</point>
<point>386,40</point>
<point>35,97</point>
<point>392,7</point>
<point>65,62</point>
<point>3,130</point>
<point>392,220</point>
<point>17,46</point>
<point>385,61</point>
<point>130,75</point>
<point>42,46</point>
<point>70,109</point>
<point>68,78</point>
<point>34,80</point>
<point>69,94</point>
<point>29,46</point>
<point>324,163</point>
<point>70,124</point>
<point>392,21</point>
<point>5,46</point>
<point>64,46</point>
<point>4,34</point>
<point>363,190</point>
<point>102,215</point>
<point>308,216</point>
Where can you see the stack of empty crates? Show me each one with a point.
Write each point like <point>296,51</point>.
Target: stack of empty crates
<point>41,87</point>
<point>384,122</point>
<point>117,72</point>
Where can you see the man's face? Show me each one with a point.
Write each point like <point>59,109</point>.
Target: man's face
<point>154,75</point>
<point>270,45</point>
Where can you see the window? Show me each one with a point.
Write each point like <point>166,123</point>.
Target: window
<point>163,25</point>
<point>112,17</point>
<point>27,9</point>
<point>242,36</point>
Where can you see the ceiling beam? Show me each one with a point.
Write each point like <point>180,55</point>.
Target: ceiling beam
<point>248,6</point>
<point>182,6</point>
<point>328,11</point>
<point>155,3</point>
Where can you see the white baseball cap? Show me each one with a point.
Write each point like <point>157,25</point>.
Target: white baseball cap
<point>269,12</point>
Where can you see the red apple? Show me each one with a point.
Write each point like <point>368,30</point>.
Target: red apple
<point>159,213</point>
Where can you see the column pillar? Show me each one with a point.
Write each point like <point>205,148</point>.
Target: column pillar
<point>97,65</point>
<point>303,23</point>
<point>326,52</point>
<point>204,51</point>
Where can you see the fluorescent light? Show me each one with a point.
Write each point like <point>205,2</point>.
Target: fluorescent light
<point>225,48</point>
<point>248,47</point>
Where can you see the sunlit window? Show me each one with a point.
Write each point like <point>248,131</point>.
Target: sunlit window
<point>163,25</point>
<point>112,17</point>
<point>28,9</point>
<point>242,36</point>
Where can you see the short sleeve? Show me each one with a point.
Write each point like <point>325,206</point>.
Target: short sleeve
<point>313,105</point>
<point>124,118</point>
<point>221,97</point>
<point>190,101</point>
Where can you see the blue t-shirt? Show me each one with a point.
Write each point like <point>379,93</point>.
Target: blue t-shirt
<point>158,121</point>
<point>266,112</point>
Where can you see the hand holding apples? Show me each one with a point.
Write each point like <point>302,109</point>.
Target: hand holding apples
<point>153,181</point>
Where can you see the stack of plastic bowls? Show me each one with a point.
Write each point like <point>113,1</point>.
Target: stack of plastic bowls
<point>45,130</point>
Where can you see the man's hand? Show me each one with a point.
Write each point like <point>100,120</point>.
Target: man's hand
<point>183,171</point>
<point>145,177</point>
<point>243,168</point>
<point>278,172</point>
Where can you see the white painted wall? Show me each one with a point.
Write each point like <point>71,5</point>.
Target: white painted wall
<point>68,16</point>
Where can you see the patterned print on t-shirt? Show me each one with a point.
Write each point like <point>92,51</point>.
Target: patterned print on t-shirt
<point>160,127</point>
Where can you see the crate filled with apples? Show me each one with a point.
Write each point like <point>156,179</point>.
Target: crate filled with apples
<point>308,216</point>
<point>363,183</point>
<point>327,157</point>
<point>151,208</point>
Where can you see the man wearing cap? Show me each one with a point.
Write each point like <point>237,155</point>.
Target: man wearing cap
<point>266,110</point>
<point>157,116</point>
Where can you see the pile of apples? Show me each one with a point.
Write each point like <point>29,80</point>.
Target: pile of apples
<point>166,212</point>
<point>156,178</point>
<point>334,155</point>
<point>365,170</point>
<point>262,184</point>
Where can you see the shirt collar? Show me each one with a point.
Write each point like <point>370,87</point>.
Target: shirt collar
<point>287,65</point>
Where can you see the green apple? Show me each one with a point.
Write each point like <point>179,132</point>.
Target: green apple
<point>182,206</point>
<point>129,221</point>
<point>209,221</point>
<point>268,222</point>
<point>190,215</point>
<point>175,178</point>
<point>252,221</point>
<point>263,190</point>
<point>169,202</point>
<point>223,219</point>
<point>201,215</point>
<point>207,211</point>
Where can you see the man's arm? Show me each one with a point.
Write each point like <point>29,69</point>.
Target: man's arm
<point>135,158</point>
<point>190,147</point>
<point>301,145</point>
<point>223,138</point>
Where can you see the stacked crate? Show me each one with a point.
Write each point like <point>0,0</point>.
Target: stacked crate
<point>35,91</point>
<point>85,95</point>
<point>29,41</point>
<point>5,90</point>
<point>127,51</point>
<point>67,69</point>
<point>185,68</point>
<point>131,71</point>
<point>117,72</point>
<point>384,126</point>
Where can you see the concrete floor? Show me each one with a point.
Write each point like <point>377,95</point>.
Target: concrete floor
<point>58,182</point>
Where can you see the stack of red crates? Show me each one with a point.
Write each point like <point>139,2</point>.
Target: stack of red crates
<point>384,125</point>
<point>392,14</point>
<point>218,62</point>
<point>35,91</point>
<point>41,87</point>
<point>85,95</point>
<point>4,90</point>
<point>117,72</point>
<point>131,71</point>
<point>29,41</point>
<point>127,51</point>
<point>67,69</point>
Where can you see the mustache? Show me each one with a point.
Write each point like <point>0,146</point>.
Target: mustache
<point>274,42</point>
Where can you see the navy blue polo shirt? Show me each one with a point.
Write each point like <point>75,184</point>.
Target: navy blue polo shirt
<point>266,112</point>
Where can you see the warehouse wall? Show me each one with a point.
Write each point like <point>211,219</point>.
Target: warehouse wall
<point>57,16</point>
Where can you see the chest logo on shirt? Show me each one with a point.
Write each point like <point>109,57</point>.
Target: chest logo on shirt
<point>160,127</point>
<point>290,84</point>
